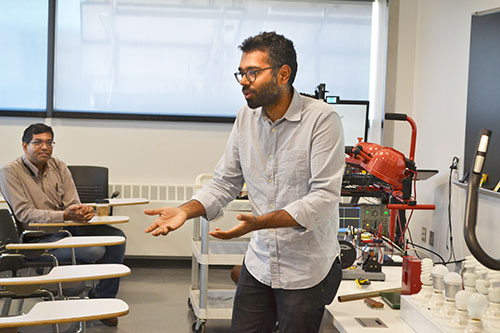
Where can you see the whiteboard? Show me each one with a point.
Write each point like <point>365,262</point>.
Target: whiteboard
<point>354,115</point>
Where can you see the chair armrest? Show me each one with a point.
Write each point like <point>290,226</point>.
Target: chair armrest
<point>70,273</point>
<point>67,311</point>
<point>70,242</point>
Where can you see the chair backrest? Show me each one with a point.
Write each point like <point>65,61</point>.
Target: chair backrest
<point>91,182</point>
<point>8,229</point>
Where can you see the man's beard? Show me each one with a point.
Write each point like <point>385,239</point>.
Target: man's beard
<point>265,96</point>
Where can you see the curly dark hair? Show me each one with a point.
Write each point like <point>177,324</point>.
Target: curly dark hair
<point>36,129</point>
<point>280,50</point>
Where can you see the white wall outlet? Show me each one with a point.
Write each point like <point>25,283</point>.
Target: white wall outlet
<point>431,238</point>
<point>424,234</point>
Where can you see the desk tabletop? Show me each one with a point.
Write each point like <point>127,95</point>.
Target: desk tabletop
<point>70,273</point>
<point>344,313</point>
<point>2,199</point>
<point>96,220</point>
<point>67,311</point>
<point>69,242</point>
<point>123,202</point>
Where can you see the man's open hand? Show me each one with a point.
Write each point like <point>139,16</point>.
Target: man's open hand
<point>248,223</point>
<point>169,219</point>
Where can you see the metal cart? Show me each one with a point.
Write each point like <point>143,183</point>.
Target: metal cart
<point>213,303</point>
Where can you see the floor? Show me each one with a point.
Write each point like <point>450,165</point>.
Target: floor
<point>157,297</point>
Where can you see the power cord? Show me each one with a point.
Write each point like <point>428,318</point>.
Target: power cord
<point>435,253</point>
<point>453,166</point>
<point>411,242</point>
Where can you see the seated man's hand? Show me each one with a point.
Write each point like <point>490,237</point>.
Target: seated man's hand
<point>169,219</point>
<point>248,222</point>
<point>79,212</point>
<point>88,212</point>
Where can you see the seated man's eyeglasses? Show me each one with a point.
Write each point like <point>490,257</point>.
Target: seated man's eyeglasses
<point>250,74</point>
<point>39,143</point>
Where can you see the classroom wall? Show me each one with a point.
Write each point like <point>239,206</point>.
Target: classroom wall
<point>431,86</point>
<point>134,151</point>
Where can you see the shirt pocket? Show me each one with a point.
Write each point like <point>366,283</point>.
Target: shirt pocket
<point>293,174</point>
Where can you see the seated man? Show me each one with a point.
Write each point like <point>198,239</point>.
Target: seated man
<point>39,188</point>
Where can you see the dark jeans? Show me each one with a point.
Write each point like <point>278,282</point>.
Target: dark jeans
<point>107,288</point>
<point>257,307</point>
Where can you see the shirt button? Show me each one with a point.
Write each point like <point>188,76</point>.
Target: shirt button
<point>270,155</point>
<point>273,130</point>
<point>270,205</point>
<point>269,180</point>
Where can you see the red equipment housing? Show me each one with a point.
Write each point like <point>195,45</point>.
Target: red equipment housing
<point>412,268</point>
<point>392,168</point>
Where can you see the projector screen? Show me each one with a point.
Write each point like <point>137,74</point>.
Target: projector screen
<point>175,60</point>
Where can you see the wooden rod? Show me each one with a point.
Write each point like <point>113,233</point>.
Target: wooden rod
<point>375,293</point>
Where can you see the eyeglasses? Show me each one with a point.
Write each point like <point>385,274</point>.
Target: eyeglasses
<point>250,74</point>
<point>39,143</point>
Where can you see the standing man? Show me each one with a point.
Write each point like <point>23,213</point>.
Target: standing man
<point>39,188</point>
<point>289,150</point>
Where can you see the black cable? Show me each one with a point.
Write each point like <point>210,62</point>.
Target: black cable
<point>435,253</point>
<point>453,166</point>
<point>411,239</point>
<point>456,261</point>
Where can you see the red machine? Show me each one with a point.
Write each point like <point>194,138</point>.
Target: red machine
<point>391,174</point>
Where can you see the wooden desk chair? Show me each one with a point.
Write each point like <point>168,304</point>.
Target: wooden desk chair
<point>67,311</point>
<point>68,242</point>
<point>36,286</point>
<point>24,286</point>
<point>32,253</point>
<point>10,240</point>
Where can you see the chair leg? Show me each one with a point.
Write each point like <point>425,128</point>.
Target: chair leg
<point>6,307</point>
<point>20,305</point>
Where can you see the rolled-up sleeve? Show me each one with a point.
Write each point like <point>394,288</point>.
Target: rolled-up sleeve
<point>327,169</point>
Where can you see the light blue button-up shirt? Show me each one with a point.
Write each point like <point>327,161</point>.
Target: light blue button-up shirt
<point>295,164</point>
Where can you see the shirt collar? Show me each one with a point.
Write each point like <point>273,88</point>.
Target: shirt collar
<point>31,166</point>
<point>294,111</point>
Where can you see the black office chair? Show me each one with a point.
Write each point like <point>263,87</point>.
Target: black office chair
<point>9,233</point>
<point>91,182</point>
<point>14,262</point>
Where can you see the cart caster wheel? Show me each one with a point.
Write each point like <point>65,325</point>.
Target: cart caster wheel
<point>198,327</point>
<point>190,305</point>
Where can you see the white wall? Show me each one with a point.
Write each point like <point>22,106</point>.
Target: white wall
<point>134,151</point>
<point>431,87</point>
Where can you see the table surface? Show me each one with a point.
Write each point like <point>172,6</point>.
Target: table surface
<point>124,202</point>
<point>2,200</point>
<point>343,314</point>
<point>66,311</point>
<point>70,273</point>
<point>96,220</point>
<point>69,242</point>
